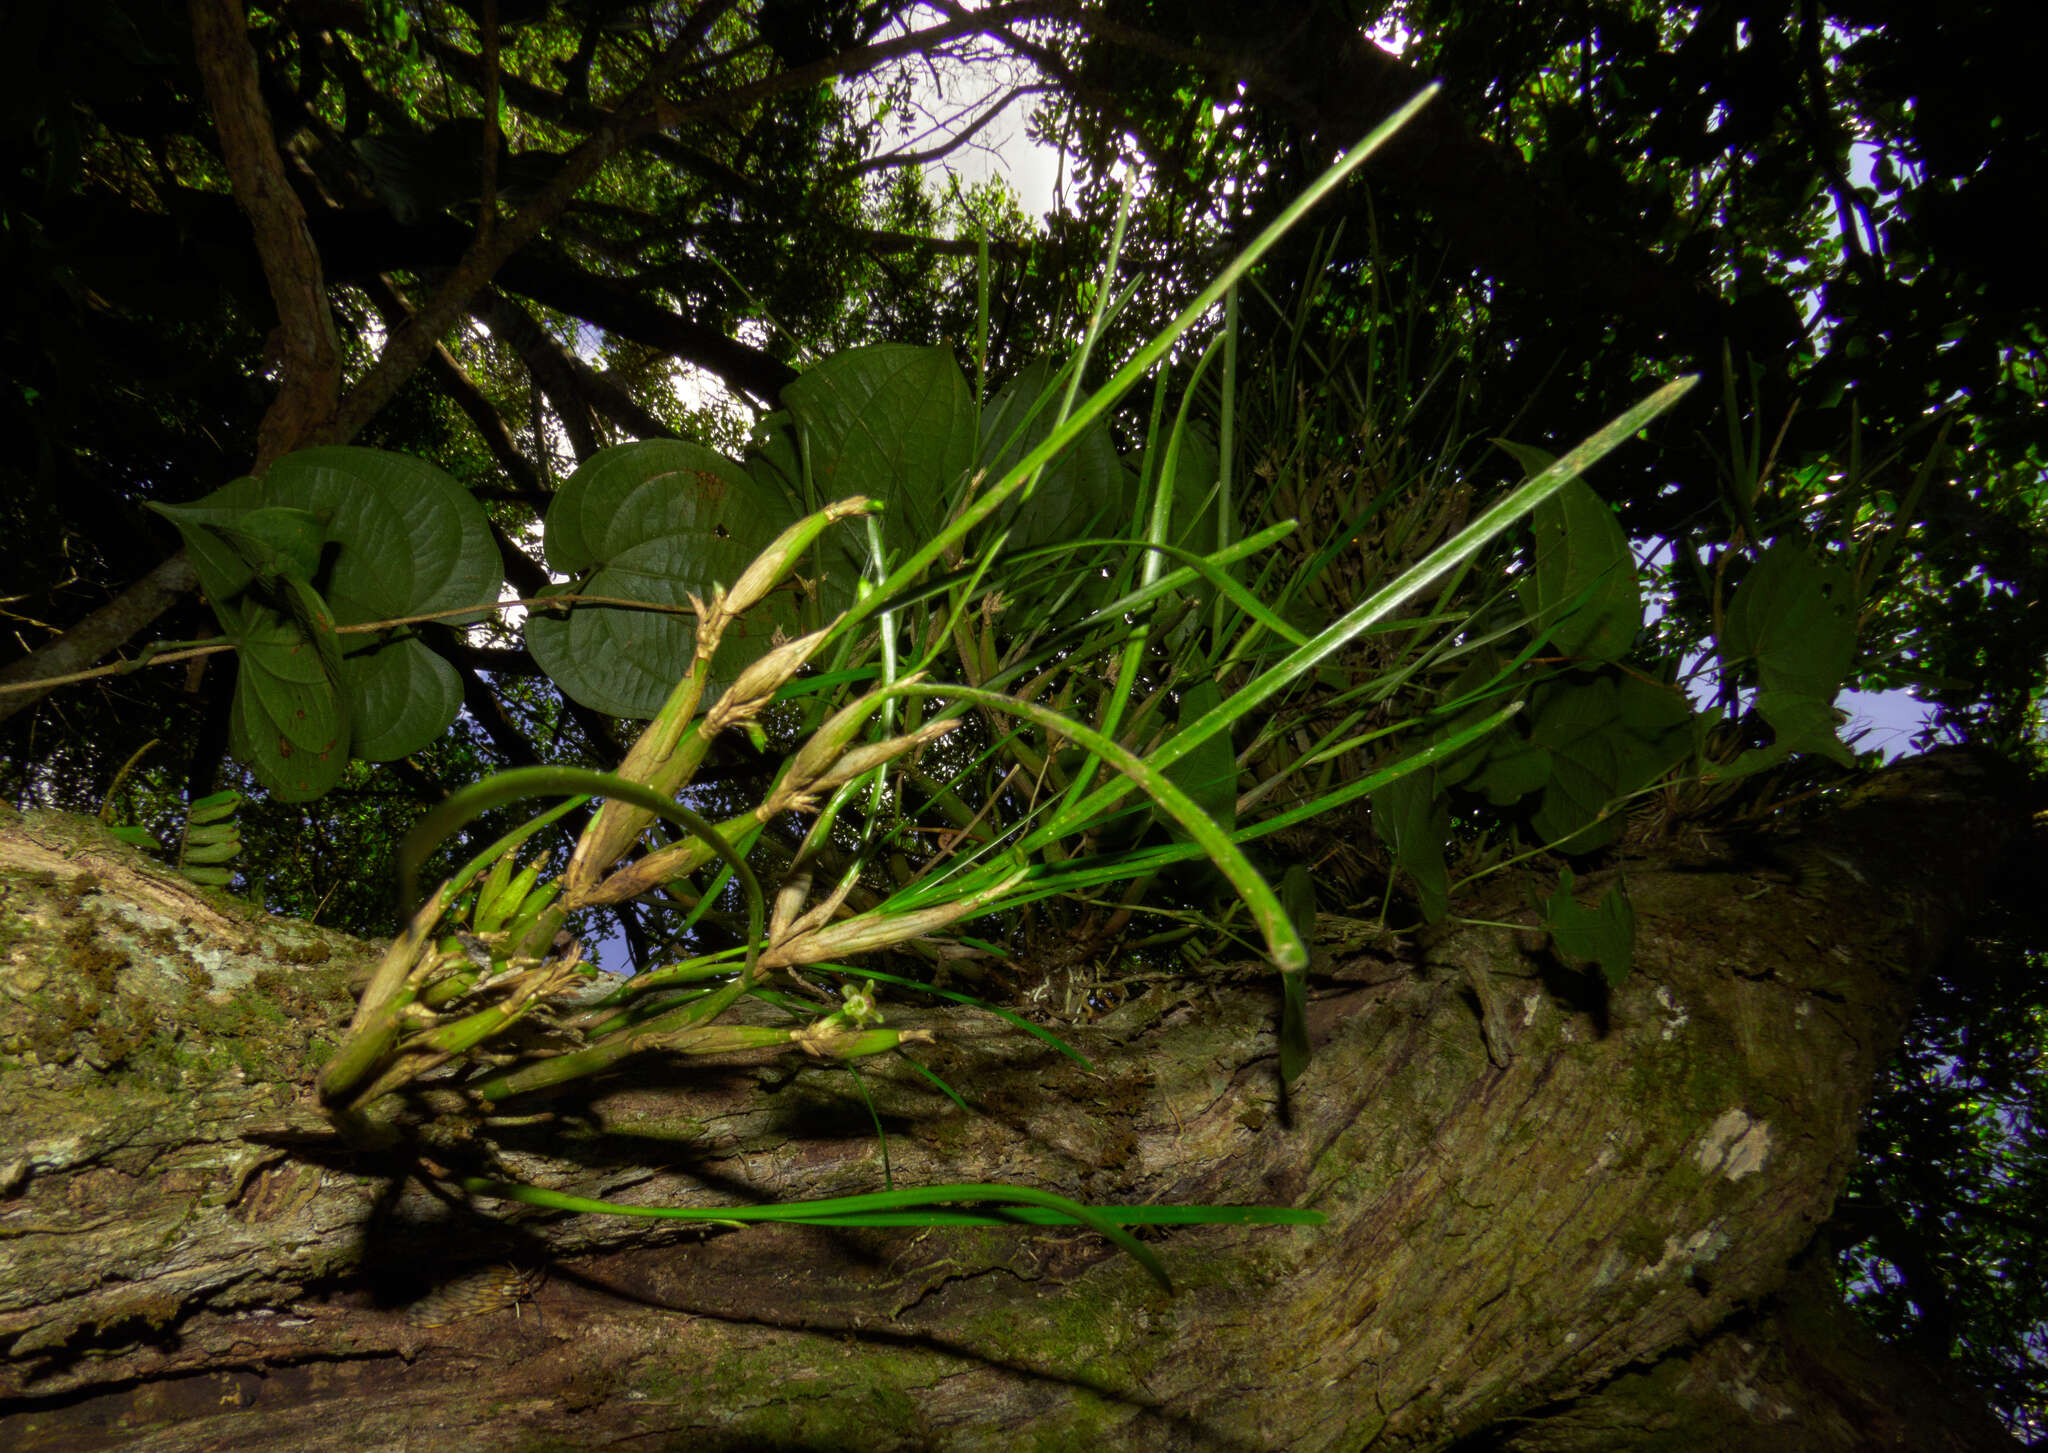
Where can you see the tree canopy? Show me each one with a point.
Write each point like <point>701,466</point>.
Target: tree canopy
<point>548,258</point>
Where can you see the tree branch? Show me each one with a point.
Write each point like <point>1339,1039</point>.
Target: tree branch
<point>485,256</point>
<point>937,153</point>
<point>304,410</point>
<point>292,264</point>
<point>569,381</point>
<point>1337,85</point>
<point>100,633</point>
<point>462,389</point>
<point>1638,1179</point>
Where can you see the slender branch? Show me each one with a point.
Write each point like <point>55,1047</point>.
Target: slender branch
<point>23,689</point>
<point>802,78</point>
<point>487,203</point>
<point>938,153</point>
<point>548,364</point>
<point>24,681</point>
<point>460,387</point>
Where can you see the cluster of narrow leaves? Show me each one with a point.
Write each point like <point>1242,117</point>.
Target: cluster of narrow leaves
<point>437,995</point>
<point>298,565</point>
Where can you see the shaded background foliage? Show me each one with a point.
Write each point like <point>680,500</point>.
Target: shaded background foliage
<point>1824,207</point>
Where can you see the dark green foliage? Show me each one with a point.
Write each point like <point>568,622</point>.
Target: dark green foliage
<point>331,538</point>
<point>1944,1225</point>
<point>659,521</point>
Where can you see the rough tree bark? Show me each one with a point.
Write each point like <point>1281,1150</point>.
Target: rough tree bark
<point>1605,1241</point>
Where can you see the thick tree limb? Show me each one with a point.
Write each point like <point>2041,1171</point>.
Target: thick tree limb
<point>1802,1373</point>
<point>1503,1240</point>
<point>642,111</point>
<point>310,355</point>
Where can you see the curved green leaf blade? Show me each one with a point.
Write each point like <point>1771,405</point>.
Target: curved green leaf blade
<point>620,662</point>
<point>839,1210</point>
<point>631,493</point>
<point>222,571</point>
<point>284,671</point>
<point>277,541</point>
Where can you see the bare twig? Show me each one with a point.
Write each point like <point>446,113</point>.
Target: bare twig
<point>122,668</point>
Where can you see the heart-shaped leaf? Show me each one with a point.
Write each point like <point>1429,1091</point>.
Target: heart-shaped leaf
<point>403,697</point>
<point>889,421</point>
<point>657,521</point>
<point>1605,935</point>
<point>409,540</point>
<point>329,537</point>
<point>1084,490</point>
